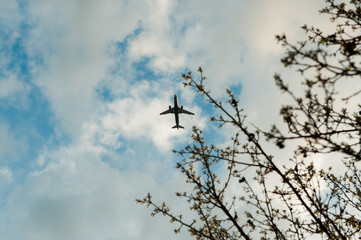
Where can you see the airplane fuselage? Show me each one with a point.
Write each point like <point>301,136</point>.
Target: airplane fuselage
<point>176,111</point>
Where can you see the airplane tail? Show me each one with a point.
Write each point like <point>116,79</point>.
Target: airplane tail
<point>179,126</point>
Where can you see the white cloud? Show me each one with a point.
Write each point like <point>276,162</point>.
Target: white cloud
<point>158,37</point>
<point>73,39</point>
<point>13,90</point>
<point>6,178</point>
<point>13,146</point>
<point>5,139</point>
<point>10,19</point>
<point>6,174</point>
<point>77,196</point>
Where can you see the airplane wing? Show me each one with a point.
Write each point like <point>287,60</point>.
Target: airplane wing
<point>182,110</point>
<point>170,110</point>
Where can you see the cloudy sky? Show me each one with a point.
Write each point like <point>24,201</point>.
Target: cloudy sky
<point>82,83</point>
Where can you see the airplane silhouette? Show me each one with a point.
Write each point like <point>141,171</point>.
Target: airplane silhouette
<point>176,110</point>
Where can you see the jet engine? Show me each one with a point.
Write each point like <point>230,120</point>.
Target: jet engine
<point>170,107</point>
<point>181,107</point>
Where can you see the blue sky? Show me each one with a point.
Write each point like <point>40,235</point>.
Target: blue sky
<point>81,87</point>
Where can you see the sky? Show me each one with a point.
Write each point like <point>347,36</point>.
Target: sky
<point>82,84</point>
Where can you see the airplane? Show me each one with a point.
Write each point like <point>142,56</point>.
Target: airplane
<point>176,110</point>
